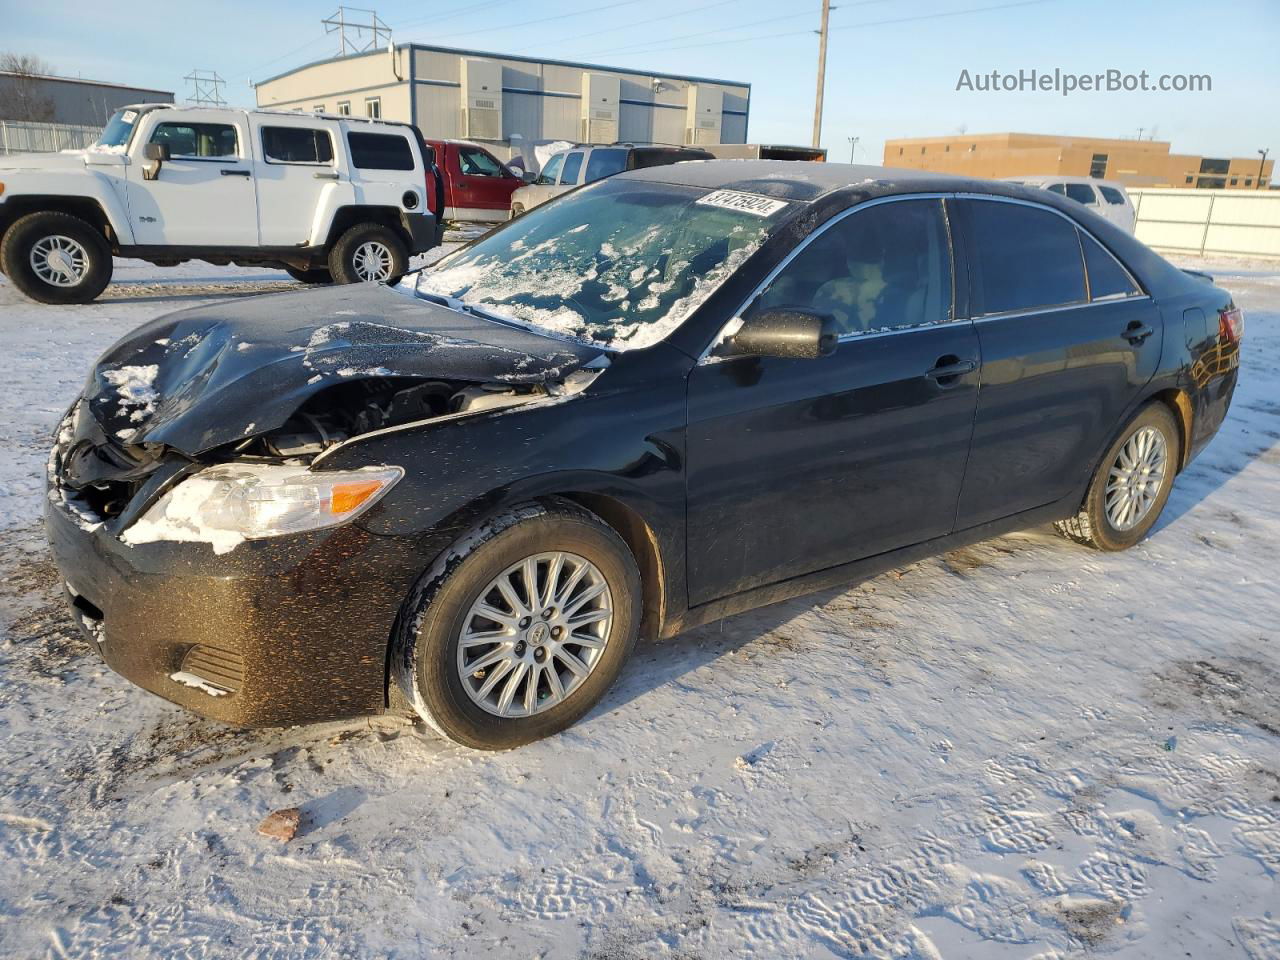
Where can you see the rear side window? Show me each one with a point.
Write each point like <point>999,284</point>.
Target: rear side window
<point>572,164</point>
<point>1082,193</point>
<point>296,145</point>
<point>605,163</point>
<point>884,268</point>
<point>1027,258</point>
<point>1106,277</point>
<point>380,151</point>
<point>1111,195</point>
<point>209,141</point>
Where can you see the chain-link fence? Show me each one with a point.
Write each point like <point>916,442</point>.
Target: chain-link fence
<point>21,136</point>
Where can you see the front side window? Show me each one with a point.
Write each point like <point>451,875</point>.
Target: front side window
<point>478,163</point>
<point>1107,279</point>
<point>615,263</point>
<point>1027,258</point>
<point>1082,193</point>
<point>1111,195</point>
<point>572,166</point>
<point>551,170</point>
<point>380,151</point>
<point>296,145</point>
<point>887,267</point>
<point>202,140</point>
<point>605,163</point>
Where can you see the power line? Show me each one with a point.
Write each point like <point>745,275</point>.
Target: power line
<point>706,33</point>
<point>843,26</point>
<point>540,20</point>
<point>649,20</point>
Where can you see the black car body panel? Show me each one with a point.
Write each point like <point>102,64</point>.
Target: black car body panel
<point>735,481</point>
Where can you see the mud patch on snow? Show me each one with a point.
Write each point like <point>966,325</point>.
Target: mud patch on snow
<point>1090,921</point>
<point>1232,688</point>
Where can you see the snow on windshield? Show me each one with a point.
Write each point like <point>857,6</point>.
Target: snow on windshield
<point>620,263</point>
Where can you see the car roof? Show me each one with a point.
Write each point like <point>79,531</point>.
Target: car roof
<point>808,180</point>
<point>1040,179</point>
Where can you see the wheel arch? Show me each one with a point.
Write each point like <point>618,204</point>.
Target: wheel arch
<point>1179,403</point>
<point>86,208</point>
<point>344,218</point>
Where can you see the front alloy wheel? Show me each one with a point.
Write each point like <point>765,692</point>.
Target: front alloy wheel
<point>517,634</point>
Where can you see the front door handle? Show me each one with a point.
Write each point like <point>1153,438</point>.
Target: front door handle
<point>1137,331</point>
<point>949,369</point>
<point>235,173</point>
<point>322,175</point>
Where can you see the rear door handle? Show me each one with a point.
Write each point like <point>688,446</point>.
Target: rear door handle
<point>235,173</point>
<point>1137,332</point>
<point>949,369</point>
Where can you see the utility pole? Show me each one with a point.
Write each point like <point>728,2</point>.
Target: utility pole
<point>1140,129</point>
<point>359,30</point>
<point>822,73</point>
<point>1261,166</point>
<point>853,147</point>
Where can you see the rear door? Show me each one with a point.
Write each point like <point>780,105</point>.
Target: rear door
<point>204,195</point>
<point>298,166</point>
<point>1065,353</point>
<point>795,465</point>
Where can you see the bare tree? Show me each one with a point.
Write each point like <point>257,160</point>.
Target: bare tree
<point>22,87</point>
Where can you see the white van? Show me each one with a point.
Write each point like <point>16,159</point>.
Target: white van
<point>1104,197</point>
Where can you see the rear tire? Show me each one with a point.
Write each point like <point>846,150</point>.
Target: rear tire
<point>458,688</point>
<point>368,251</point>
<point>315,275</point>
<point>1132,484</point>
<point>56,258</point>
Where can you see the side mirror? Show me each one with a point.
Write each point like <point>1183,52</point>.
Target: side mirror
<point>156,154</point>
<point>528,176</point>
<point>789,333</point>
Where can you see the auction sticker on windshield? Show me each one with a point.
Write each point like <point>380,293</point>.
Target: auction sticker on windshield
<point>746,202</point>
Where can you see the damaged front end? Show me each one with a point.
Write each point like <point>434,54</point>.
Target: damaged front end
<point>203,426</point>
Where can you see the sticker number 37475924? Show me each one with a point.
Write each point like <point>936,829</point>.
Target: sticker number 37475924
<point>745,202</point>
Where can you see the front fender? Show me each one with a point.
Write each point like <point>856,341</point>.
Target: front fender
<point>29,189</point>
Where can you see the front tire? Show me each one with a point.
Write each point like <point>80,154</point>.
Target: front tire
<point>368,252</point>
<point>56,258</point>
<point>520,628</point>
<point>1132,484</point>
<point>313,276</point>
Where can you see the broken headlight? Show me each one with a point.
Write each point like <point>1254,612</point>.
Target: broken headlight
<point>225,504</point>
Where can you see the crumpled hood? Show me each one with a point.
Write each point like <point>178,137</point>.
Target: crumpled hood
<point>204,377</point>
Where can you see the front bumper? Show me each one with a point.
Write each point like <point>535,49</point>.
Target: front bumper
<point>294,628</point>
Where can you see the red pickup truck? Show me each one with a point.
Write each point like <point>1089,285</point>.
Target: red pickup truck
<point>477,185</point>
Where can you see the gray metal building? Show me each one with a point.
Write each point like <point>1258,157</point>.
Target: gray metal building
<point>24,97</point>
<point>492,97</point>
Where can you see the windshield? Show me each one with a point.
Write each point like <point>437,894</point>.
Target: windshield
<point>119,129</point>
<point>620,263</point>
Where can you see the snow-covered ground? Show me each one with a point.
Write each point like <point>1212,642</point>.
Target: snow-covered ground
<point>1021,749</point>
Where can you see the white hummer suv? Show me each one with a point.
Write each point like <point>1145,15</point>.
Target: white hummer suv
<point>328,198</point>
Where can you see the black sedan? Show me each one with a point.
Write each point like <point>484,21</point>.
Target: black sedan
<point>664,398</point>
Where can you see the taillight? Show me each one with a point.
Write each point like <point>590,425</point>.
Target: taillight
<point>1231,324</point>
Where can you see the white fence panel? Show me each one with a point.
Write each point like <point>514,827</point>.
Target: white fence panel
<point>17,136</point>
<point>1235,222</point>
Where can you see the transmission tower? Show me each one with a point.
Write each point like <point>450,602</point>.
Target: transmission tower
<point>358,30</point>
<point>206,88</point>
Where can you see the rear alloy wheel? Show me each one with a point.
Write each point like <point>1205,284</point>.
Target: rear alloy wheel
<point>316,275</point>
<point>56,258</point>
<point>1132,484</point>
<point>522,635</point>
<point>368,252</point>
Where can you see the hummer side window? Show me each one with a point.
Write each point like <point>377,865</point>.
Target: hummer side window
<point>296,145</point>
<point>204,141</point>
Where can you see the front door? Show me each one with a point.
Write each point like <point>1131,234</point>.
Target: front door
<point>1068,341</point>
<point>799,465</point>
<point>204,194</point>
<point>481,184</point>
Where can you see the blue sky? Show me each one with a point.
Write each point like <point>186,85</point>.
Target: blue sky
<point>883,79</point>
